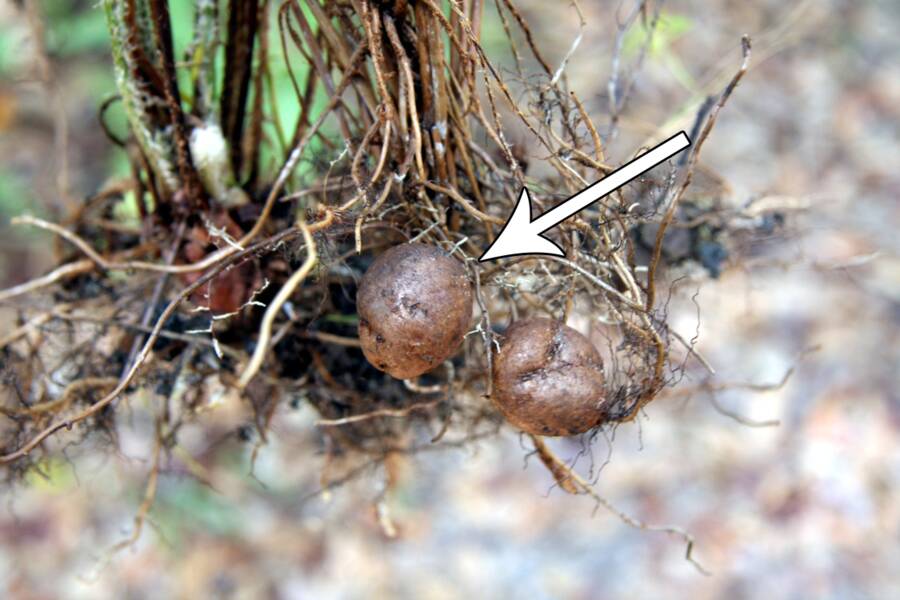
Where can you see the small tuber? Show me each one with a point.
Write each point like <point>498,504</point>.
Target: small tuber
<point>548,379</point>
<point>415,306</point>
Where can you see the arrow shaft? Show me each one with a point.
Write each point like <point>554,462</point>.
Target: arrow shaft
<point>612,182</point>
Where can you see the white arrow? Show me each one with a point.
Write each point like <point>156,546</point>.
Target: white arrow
<point>522,235</point>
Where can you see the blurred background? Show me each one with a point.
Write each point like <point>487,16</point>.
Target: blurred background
<point>805,507</point>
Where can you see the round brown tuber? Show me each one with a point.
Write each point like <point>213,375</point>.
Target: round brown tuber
<point>415,306</point>
<point>548,379</point>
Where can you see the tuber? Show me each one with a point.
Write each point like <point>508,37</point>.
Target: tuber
<point>415,305</point>
<point>548,379</point>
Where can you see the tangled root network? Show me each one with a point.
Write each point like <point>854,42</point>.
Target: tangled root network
<point>324,249</point>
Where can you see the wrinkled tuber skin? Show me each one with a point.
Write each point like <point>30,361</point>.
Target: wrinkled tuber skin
<point>548,379</point>
<point>415,306</point>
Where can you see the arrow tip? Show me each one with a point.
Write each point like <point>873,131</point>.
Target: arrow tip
<point>518,236</point>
